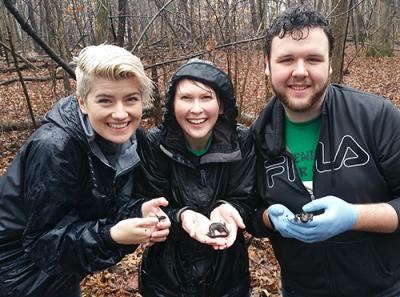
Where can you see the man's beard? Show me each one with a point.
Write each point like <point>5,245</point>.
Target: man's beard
<point>307,105</point>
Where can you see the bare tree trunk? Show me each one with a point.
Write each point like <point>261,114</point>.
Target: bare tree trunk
<point>49,21</point>
<point>3,35</point>
<point>121,22</point>
<point>262,15</point>
<point>32,20</point>
<point>91,22</point>
<point>157,110</point>
<point>76,13</point>
<point>101,21</point>
<point>383,39</point>
<point>62,42</point>
<point>339,22</point>
<point>226,20</point>
<point>183,8</point>
<point>44,26</point>
<point>10,39</point>
<point>130,23</point>
<point>192,27</point>
<point>253,11</point>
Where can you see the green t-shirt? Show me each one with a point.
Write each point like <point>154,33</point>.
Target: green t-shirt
<point>301,140</point>
<point>199,153</point>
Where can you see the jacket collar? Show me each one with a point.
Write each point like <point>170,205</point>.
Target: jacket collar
<point>128,157</point>
<point>268,130</point>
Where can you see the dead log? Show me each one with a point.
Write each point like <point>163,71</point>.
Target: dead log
<point>23,67</point>
<point>35,79</point>
<point>21,126</point>
<point>18,55</point>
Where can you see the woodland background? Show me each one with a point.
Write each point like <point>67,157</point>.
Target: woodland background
<point>38,39</point>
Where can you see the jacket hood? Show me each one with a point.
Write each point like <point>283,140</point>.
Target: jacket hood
<point>66,114</point>
<point>209,74</point>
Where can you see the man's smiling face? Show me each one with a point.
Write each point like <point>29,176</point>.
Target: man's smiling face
<point>299,71</point>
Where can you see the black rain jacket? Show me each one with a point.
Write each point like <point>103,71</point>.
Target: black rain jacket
<point>58,200</point>
<point>181,266</point>
<point>358,160</point>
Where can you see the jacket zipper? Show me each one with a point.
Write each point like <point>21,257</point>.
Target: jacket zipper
<point>307,190</point>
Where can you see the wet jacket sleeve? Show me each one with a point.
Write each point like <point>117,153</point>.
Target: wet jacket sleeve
<point>256,227</point>
<point>154,180</point>
<point>387,131</point>
<point>56,237</point>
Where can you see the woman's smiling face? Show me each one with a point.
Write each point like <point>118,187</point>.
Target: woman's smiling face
<point>114,108</point>
<point>196,110</point>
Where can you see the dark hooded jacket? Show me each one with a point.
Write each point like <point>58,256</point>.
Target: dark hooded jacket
<point>357,160</point>
<point>58,200</point>
<point>181,266</point>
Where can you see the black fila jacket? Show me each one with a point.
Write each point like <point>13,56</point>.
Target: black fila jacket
<point>357,160</point>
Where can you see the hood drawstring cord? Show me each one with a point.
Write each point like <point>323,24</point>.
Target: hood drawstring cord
<point>331,149</point>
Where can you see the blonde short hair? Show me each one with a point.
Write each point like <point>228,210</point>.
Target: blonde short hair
<point>110,62</point>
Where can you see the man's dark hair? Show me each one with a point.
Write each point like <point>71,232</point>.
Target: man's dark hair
<point>293,20</point>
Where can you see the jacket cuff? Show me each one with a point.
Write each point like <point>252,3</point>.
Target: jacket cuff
<point>179,212</point>
<point>236,206</point>
<point>258,228</point>
<point>395,203</point>
<point>137,211</point>
<point>218,203</point>
<point>106,235</point>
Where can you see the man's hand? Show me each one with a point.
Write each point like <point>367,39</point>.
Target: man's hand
<point>152,208</point>
<point>338,216</point>
<point>197,226</point>
<point>228,215</point>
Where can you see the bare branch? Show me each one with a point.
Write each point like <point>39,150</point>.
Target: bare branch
<point>35,79</point>
<point>204,52</point>
<point>29,30</point>
<point>148,26</point>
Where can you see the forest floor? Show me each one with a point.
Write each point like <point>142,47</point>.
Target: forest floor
<point>376,75</point>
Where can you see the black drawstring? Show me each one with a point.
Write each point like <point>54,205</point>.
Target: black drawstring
<point>331,140</point>
<point>203,175</point>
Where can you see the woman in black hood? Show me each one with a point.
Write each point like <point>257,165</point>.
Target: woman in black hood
<point>201,160</point>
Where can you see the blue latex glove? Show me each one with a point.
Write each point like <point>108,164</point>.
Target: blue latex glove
<point>280,217</point>
<point>339,216</point>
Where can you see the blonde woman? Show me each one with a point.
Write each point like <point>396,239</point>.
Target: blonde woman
<point>66,202</point>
